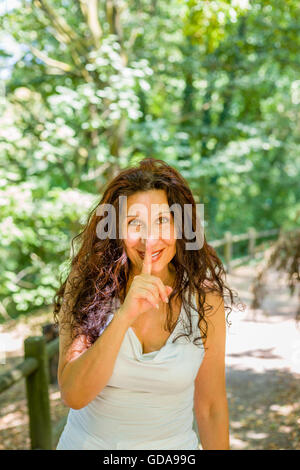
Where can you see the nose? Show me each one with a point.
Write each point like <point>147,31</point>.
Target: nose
<point>150,238</point>
<point>149,241</point>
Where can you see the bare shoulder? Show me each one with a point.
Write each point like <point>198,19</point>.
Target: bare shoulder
<point>212,297</point>
<point>214,316</point>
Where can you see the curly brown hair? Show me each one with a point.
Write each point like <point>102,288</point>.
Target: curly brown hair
<point>99,272</point>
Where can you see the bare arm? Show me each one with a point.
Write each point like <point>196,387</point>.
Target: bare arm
<point>84,371</point>
<point>210,401</point>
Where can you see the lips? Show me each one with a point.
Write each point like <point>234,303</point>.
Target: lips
<point>155,254</point>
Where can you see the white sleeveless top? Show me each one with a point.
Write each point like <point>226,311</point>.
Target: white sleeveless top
<point>148,401</point>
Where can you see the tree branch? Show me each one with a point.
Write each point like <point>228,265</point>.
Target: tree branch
<point>90,11</point>
<point>66,35</point>
<point>51,62</point>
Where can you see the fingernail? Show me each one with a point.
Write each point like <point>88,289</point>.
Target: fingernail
<point>166,300</point>
<point>157,306</point>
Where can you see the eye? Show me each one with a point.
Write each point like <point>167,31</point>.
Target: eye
<point>166,219</point>
<point>133,220</point>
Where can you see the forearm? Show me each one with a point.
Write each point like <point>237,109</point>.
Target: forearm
<point>84,377</point>
<point>213,429</point>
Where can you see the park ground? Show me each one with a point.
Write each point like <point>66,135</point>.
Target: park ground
<point>262,370</point>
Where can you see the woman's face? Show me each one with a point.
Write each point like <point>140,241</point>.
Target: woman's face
<point>148,217</point>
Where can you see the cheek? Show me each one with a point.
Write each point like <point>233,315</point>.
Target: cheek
<point>170,243</point>
<point>169,236</point>
<point>131,240</point>
<point>170,246</point>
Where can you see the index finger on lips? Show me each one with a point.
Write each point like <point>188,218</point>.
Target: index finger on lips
<point>147,263</point>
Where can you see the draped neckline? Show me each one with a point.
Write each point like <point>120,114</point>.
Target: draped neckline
<point>139,344</point>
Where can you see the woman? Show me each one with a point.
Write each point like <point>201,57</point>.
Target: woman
<point>134,315</point>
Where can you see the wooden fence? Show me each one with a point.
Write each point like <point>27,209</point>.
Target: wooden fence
<point>35,370</point>
<point>229,240</point>
<point>37,354</point>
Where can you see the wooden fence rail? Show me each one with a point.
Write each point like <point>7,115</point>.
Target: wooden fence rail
<point>229,240</point>
<point>37,353</point>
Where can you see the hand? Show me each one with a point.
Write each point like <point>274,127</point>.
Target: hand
<point>145,291</point>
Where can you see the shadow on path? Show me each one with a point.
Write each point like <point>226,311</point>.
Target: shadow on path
<point>264,409</point>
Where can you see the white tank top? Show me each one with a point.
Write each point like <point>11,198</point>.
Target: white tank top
<point>148,401</point>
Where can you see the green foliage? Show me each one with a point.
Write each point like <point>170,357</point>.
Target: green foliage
<point>36,226</point>
<point>210,87</point>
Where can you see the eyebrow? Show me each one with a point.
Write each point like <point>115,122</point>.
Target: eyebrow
<point>162,212</point>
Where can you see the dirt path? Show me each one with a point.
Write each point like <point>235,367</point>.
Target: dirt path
<point>263,368</point>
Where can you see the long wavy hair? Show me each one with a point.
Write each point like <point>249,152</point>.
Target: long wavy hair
<point>100,269</point>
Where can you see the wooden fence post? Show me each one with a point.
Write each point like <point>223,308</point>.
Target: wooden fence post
<point>252,240</point>
<point>38,394</point>
<point>228,249</point>
<point>50,332</point>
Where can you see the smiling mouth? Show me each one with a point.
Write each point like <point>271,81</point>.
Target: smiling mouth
<point>155,255</point>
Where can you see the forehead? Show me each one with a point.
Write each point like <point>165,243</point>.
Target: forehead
<point>154,200</point>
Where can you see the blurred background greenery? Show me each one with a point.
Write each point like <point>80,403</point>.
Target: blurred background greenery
<point>89,87</point>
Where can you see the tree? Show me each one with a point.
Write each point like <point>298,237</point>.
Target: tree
<point>102,84</point>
